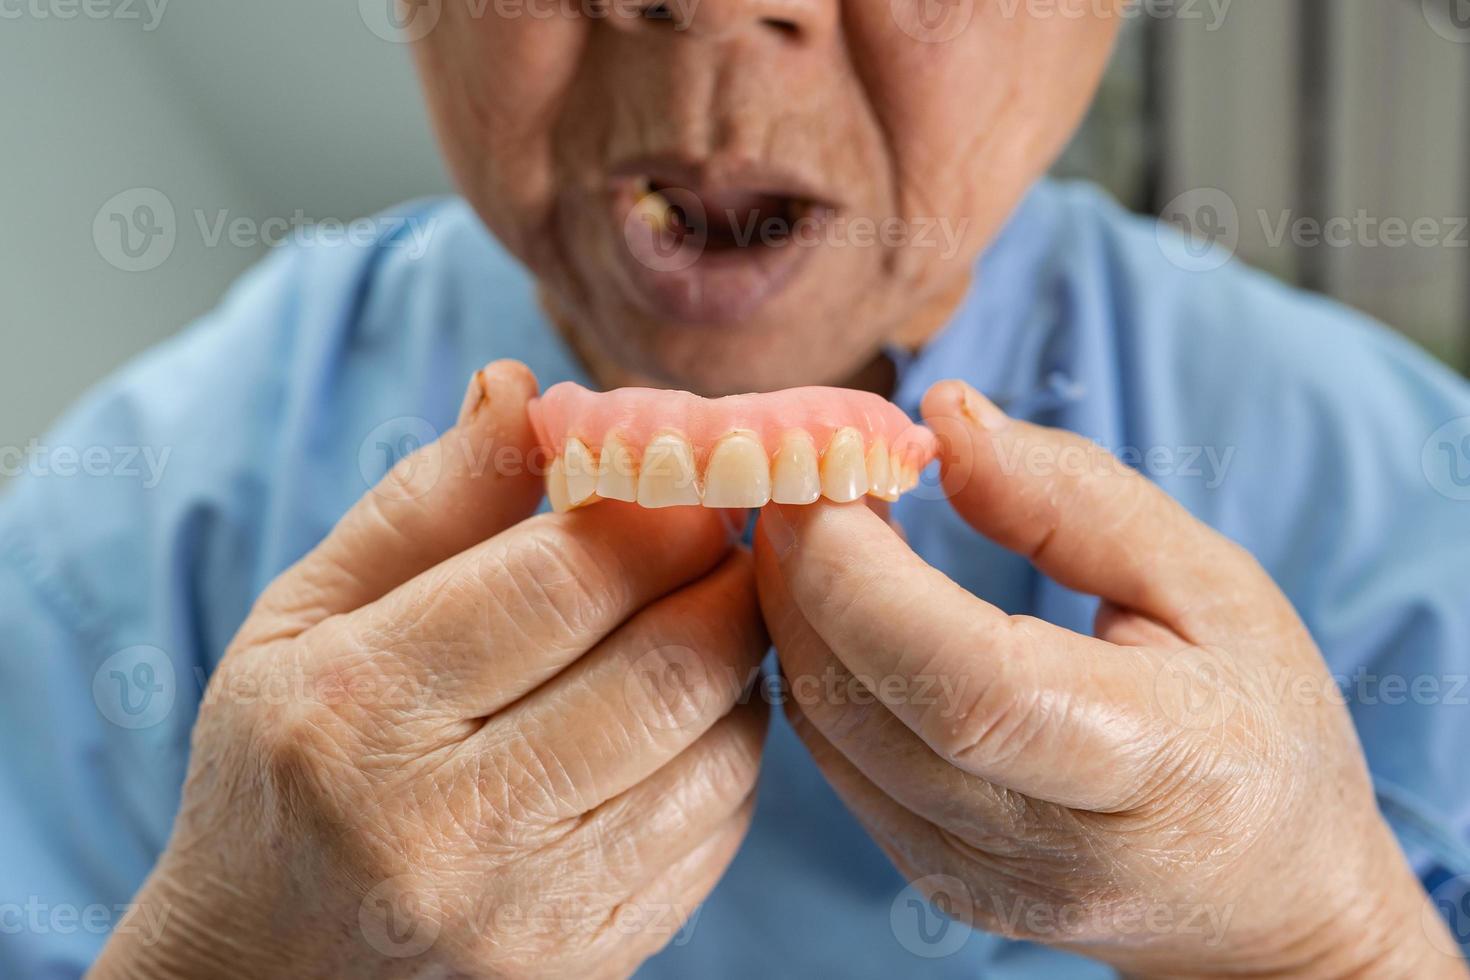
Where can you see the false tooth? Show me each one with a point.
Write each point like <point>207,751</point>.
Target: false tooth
<point>880,472</point>
<point>617,471</point>
<point>895,476</point>
<point>581,473</point>
<point>738,473</point>
<point>844,472</point>
<point>666,478</point>
<point>556,486</point>
<point>794,474</point>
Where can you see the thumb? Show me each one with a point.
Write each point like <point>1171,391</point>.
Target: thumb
<point>479,478</point>
<point>1078,513</point>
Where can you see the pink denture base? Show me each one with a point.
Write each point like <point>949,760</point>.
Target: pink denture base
<point>568,410</point>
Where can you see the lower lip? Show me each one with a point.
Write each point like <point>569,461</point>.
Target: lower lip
<point>694,286</point>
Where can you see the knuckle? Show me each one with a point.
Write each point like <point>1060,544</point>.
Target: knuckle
<point>553,581</point>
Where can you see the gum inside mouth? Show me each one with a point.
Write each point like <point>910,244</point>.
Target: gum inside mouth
<point>725,220</point>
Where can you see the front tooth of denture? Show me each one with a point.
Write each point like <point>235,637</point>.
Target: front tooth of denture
<point>617,471</point>
<point>581,472</point>
<point>844,471</point>
<point>880,472</point>
<point>666,476</point>
<point>738,473</point>
<point>794,474</point>
<point>556,486</point>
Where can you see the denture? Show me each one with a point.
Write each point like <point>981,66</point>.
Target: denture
<point>673,448</point>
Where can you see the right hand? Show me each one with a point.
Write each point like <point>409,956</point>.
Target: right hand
<point>509,746</point>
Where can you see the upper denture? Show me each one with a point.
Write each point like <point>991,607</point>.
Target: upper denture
<point>672,448</point>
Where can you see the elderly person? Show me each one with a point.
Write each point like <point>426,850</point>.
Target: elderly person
<point>1072,718</point>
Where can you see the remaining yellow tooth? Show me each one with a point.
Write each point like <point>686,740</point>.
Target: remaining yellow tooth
<point>617,470</point>
<point>895,475</point>
<point>581,472</point>
<point>666,477</point>
<point>794,474</point>
<point>738,473</point>
<point>556,486</point>
<point>880,472</point>
<point>844,471</point>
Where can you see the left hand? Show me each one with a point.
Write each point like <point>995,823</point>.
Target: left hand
<point>1182,794</point>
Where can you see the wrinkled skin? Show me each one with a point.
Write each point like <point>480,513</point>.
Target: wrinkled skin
<point>495,757</point>
<point>505,749</point>
<point>1181,795</point>
<point>534,113</point>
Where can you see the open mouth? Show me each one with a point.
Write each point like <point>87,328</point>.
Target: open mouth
<point>711,243</point>
<point>725,220</point>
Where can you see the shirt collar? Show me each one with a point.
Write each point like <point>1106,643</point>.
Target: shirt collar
<point>1010,338</point>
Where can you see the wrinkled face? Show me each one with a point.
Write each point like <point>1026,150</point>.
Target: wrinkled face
<point>744,195</point>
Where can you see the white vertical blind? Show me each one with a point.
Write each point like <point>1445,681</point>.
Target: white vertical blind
<point>1353,112</point>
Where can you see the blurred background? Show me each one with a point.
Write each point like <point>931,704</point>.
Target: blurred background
<point>1299,111</point>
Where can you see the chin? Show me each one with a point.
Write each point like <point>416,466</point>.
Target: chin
<point>730,359</point>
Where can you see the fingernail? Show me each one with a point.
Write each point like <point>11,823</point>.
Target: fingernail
<point>475,396</point>
<point>780,535</point>
<point>735,521</point>
<point>982,411</point>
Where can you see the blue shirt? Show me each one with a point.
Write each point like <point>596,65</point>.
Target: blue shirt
<point>152,515</point>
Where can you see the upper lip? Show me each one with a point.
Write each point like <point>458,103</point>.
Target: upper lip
<point>716,173</point>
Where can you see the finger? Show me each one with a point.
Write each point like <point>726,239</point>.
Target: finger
<point>668,907</point>
<point>494,623</point>
<point>822,694</point>
<point>1029,706</point>
<point>650,691</point>
<point>476,480</point>
<point>1084,518</point>
<point>902,834</point>
<point>636,836</point>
